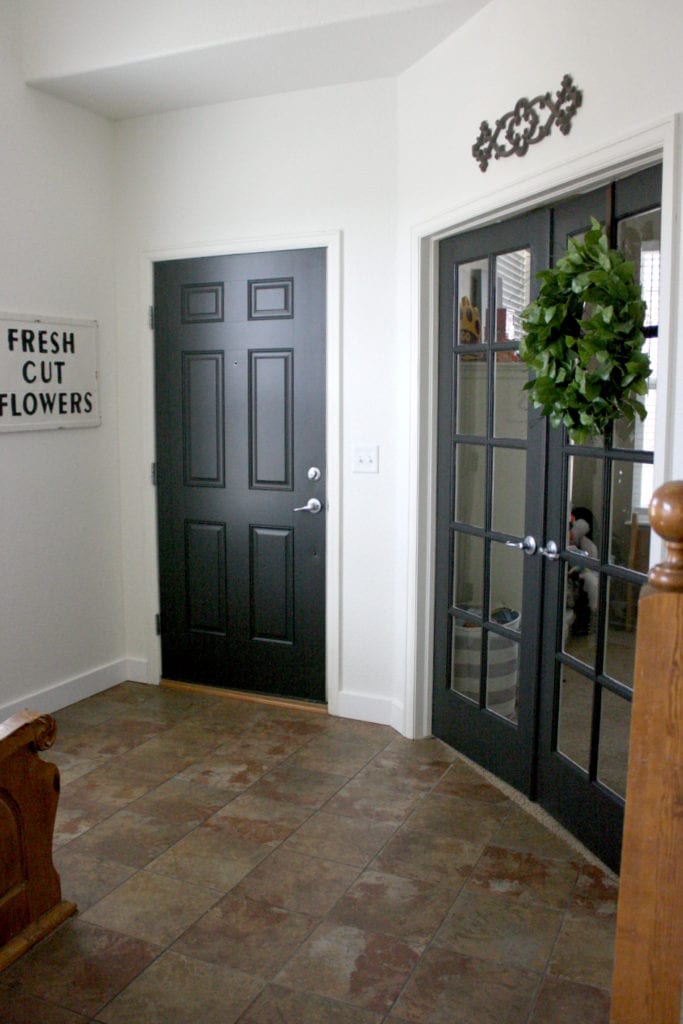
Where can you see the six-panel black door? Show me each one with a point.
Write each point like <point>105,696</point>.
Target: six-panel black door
<point>240,419</point>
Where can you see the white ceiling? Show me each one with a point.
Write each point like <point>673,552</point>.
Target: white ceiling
<point>128,58</point>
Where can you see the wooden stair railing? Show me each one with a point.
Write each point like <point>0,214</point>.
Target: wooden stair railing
<point>31,903</point>
<point>646,984</point>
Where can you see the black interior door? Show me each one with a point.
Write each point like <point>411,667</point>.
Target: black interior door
<point>597,513</point>
<point>491,453</point>
<point>240,418</point>
<point>554,629</point>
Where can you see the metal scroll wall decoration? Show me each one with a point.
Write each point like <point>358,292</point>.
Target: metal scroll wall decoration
<point>524,125</point>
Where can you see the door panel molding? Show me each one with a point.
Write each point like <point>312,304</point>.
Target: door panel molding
<point>331,241</point>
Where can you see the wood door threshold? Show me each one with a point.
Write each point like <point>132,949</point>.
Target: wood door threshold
<point>250,698</point>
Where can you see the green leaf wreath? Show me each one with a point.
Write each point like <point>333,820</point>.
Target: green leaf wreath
<point>583,338</point>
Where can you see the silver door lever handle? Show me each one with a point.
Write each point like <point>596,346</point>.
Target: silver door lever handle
<point>312,505</point>
<point>528,545</point>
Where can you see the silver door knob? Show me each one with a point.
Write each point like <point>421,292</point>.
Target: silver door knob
<point>528,545</point>
<point>312,505</point>
<point>550,551</point>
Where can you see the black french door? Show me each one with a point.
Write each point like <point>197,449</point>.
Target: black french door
<point>542,546</point>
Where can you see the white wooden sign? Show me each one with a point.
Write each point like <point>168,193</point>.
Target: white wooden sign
<point>48,373</point>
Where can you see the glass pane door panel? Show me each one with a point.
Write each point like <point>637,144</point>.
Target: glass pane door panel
<point>468,571</point>
<point>506,579</point>
<point>502,676</point>
<point>575,717</point>
<point>472,371</point>
<point>585,503</point>
<point>510,402</point>
<point>615,726</point>
<point>470,484</point>
<point>513,282</point>
<point>466,659</point>
<point>473,290</point>
<point>638,238</point>
<point>620,636</point>
<point>629,524</point>
<point>509,487</point>
<point>580,619</point>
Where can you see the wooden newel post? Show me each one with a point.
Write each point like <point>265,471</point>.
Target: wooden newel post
<point>31,903</point>
<point>646,987</point>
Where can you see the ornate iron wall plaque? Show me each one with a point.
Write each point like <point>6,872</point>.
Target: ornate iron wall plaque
<point>523,126</point>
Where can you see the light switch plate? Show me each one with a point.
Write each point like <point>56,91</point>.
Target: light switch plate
<point>365,458</point>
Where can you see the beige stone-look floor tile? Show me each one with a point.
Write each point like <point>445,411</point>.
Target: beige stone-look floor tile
<point>303,786</point>
<point>432,858</point>
<point>596,892</point>
<point>279,1005</point>
<point>503,930</point>
<point>336,753</point>
<point>407,908</point>
<point>18,1008</point>
<point>260,819</point>
<point>246,935</point>
<point>585,950</point>
<point>74,820</point>
<point>80,966</point>
<point>111,738</point>
<point>87,879</point>
<point>203,857</point>
<point>152,907</point>
<point>376,737</point>
<point>566,1002</point>
<point>408,774</point>
<point>388,805</point>
<point>178,990</point>
<point>351,965</point>
<point>523,831</point>
<point>463,781</point>
<point>351,841</point>
<point>114,789</point>
<point>70,767</point>
<point>266,745</point>
<point>178,800</point>
<point>229,772</point>
<point>525,877</point>
<point>429,749</point>
<point>303,884</point>
<point>130,839</point>
<point>471,820</point>
<point>448,988</point>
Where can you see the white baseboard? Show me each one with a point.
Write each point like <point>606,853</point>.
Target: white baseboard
<point>366,708</point>
<point>59,695</point>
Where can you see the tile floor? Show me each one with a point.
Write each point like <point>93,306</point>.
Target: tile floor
<point>236,862</point>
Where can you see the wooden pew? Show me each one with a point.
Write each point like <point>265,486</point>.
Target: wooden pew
<point>646,986</point>
<point>31,903</point>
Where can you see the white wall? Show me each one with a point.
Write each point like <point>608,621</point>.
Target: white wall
<point>61,625</point>
<point>279,167</point>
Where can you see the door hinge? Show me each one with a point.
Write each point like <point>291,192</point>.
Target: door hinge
<point>157,623</point>
<point>153,474</point>
<point>151,318</point>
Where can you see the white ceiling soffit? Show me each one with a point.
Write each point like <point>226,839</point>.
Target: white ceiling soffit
<point>342,49</point>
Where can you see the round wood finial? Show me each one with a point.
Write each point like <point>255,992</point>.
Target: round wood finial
<point>666,517</point>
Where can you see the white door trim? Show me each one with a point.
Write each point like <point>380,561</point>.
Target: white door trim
<point>661,141</point>
<point>332,242</point>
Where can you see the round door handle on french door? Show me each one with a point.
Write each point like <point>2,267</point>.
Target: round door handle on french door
<point>528,545</point>
<point>550,551</point>
<point>312,505</point>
